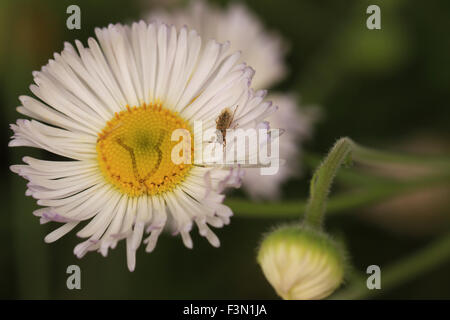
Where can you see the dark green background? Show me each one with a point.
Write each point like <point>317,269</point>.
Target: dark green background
<point>378,87</point>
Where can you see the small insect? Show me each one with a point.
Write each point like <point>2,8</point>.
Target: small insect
<point>223,122</point>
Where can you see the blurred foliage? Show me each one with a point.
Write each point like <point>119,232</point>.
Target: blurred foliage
<point>378,87</point>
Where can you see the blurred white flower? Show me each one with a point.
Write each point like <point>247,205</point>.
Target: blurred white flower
<point>264,51</point>
<point>297,124</point>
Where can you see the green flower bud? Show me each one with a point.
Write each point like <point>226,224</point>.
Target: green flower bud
<point>301,263</point>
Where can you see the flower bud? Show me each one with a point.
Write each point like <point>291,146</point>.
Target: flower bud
<point>301,263</point>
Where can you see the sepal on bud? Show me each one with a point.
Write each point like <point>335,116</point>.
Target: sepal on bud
<point>301,263</point>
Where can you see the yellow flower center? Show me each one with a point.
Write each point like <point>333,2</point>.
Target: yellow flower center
<point>134,150</point>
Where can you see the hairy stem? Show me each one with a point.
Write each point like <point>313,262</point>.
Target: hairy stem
<point>322,180</point>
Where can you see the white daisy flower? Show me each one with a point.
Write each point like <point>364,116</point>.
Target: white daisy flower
<point>262,49</point>
<point>110,108</point>
<point>265,51</point>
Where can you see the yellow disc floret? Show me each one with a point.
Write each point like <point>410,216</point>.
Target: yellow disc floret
<point>134,150</point>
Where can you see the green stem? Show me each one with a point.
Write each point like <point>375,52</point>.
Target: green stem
<point>361,177</point>
<point>322,180</point>
<point>402,271</point>
<point>375,157</point>
<point>339,203</point>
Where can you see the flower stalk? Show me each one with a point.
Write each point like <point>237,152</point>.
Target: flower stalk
<point>323,179</point>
